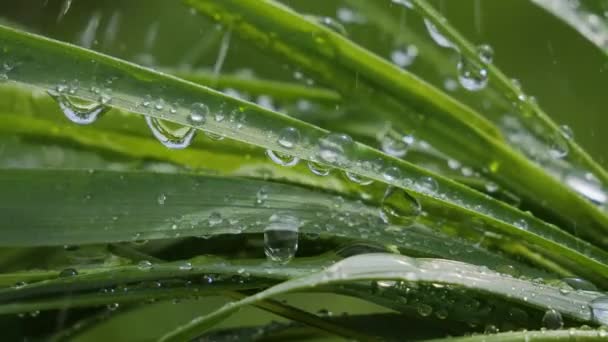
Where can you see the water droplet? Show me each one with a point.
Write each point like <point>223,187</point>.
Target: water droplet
<point>491,187</point>
<point>424,310</point>
<point>335,148</point>
<point>399,207</point>
<point>552,319</point>
<point>282,159</point>
<point>113,306</point>
<point>486,53</point>
<point>78,113</point>
<point>580,284</point>
<point>599,309</point>
<point>261,196</point>
<point>20,284</point>
<point>394,147</point>
<point>355,178</point>
<point>68,272</point>
<point>558,146</point>
<point>333,25</point>
<point>198,114</point>
<point>521,223</point>
<point>472,76</point>
<point>318,168</point>
<point>281,237</point>
<point>179,139</point>
<point>404,57</point>
<point>289,137</point>
<point>391,174</point>
<point>566,131</point>
<point>439,38</point>
<point>186,266</point>
<point>161,199</point>
<point>427,185</point>
<point>144,265</point>
<point>215,218</point>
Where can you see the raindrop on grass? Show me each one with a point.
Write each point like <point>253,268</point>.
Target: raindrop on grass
<point>404,57</point>
<point>179,139</point>
<point>144,265</point>
<point>186,266</point>
<point>580,284</point>
<point>439,38</point>
<point>198,114</point>
<point>68,272</point>
<point>486,53</point>
<point>215,218</point>
<point>335,148</point>
<point>281,238</point>
<point>289,137</point>
<point>355,178</point>
<point>399,207</point>
<point>282,159</point>
<point>161,199</point>
<point>472,76</point>
<point>553,320</point>
<point>566,131</point>
<point>424,310</point>
<point>261,196</point>
<point>318,168</point>
<point>81,114</point>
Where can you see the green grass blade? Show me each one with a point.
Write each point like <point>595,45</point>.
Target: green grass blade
<point>392,267</point>
<point>581,335</point>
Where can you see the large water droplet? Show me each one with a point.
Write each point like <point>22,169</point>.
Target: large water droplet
<point>181,138</point>
<point>335,148</point>
<point>68,272</point>
<point>394,147</point>
<point>439,38</point>
<point>399,207</point>
<point>78,113</point>
<point>282,159</point>
<point>552,319</point>
<point>472,76</point>
<point>580,284</point>
<point>289,137</point>
<point>599,309</point>
<point>198,114</point>
<point>281,237</point>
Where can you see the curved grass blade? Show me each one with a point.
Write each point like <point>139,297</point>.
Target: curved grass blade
<point>581,335</point>
<point>393,267</point>
<point>46,64</point>
<point>590,25</point>
<point>335,60</point>
<point>76,207</point>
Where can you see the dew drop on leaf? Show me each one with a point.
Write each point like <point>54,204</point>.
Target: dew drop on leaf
<point>486,53</point>
<point>439,38</point>
<point>355,178</point>
<point>68,272</point>
<point>144,265</point>
<point>198,114</point>
<point>580,284</point>
<point>335,148</point>
<point>599,309</point>
<point>281,237</point>
<point>178,139</point>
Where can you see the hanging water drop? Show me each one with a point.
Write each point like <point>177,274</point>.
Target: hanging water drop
<point>181,138</point>
<point>485,53</point>
<point>558,146</point>
<point>399,207</point>
<point>335,148</point>
<point>78,113</point>
<point>472,76</point>
<point>289,137</point>
<point>282,159</point>
<point>355,178</point>
<point>281,238</point>
<point>439,38</point>
<point>318,168</point>
<point>567,132</point>
<point>553,320</point>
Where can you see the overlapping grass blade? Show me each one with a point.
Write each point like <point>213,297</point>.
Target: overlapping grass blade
<point>401,268</point>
